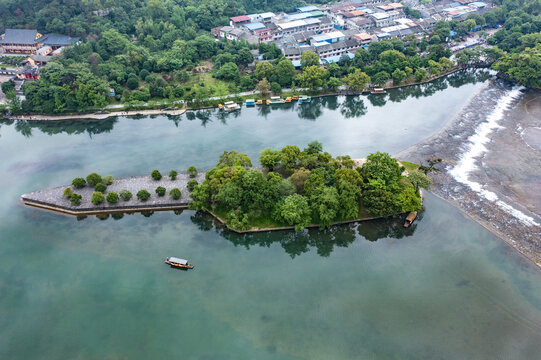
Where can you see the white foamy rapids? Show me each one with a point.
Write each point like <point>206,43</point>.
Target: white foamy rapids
<point>476,148</point>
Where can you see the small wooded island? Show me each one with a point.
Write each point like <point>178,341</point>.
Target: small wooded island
<point>293,189</point>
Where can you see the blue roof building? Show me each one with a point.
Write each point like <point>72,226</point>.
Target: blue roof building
<point>254,26</point>
<point>336,58</point>
<point>307,8</point>
<point>299,16</point>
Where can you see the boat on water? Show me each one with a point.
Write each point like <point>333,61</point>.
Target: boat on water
<point>288,99</point>
<point>249,102</point>
<point>178,263</point>
<point>304,99</point>
<point>377,91</point>
<point>410,219</point>
<point>231,106</point>
<point>276,100</point>
<point>259,102</point>
<point>295,97</point>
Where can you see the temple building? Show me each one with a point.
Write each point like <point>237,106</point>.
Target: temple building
<point>21,41</point>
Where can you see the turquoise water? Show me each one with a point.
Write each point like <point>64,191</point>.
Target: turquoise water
<point>98,289</point>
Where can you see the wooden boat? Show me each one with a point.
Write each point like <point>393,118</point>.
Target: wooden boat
<point>259,102</point>
<point>249,102</point>
<point>377,91</point>
<point>276,100</point>
<point>231,106</point>
<point>410,218</point>
<point>178,263</point>
<point>288,99</point>
<point>304,99</point>
<point>295,97</point>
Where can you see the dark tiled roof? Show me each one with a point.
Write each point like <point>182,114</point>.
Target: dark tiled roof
<point>20,36</point>
<point>59,40</point>
<point>40,58</point>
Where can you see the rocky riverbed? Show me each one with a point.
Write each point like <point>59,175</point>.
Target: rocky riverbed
<point>491,163</point>
<point>54,197</point>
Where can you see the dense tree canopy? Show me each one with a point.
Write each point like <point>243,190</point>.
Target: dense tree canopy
<point>304,187</point>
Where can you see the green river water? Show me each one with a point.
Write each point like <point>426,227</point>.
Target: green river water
<point>98,289</point>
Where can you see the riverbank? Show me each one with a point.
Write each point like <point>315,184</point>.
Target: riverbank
<point>211,103</point>
<point>97,115</point>
<point>482,153</point>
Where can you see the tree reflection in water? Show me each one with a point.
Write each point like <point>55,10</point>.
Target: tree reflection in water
<point>75,126</point>
<point>311,110</point>
<point>323,240</point>
<point>352,106</point>
<point>296,243</point>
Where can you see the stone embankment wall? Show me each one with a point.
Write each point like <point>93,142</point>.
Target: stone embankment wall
<point>53,199</point>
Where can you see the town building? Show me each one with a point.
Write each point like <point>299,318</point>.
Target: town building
<point>382,19</point>
<point>336,30</point>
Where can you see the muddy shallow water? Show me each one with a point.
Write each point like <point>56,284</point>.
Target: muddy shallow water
<point>488,168</point>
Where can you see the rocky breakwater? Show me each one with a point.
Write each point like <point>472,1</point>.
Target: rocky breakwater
<point>483,159</point>
<point>54,199</point>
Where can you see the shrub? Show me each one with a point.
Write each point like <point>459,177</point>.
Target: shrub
<point>100,187</point>
<point>175,193</point>
<point>143,195</point>
<point>156,175</point>
<point>160,190</point>
<point>93,179</point>
<point>173,174</point>
<point>192,171</point>
<point>108,179</point>
<point>68,192</point>
<point>191,185</point>
<point>125,195</point>
<point>132,83</point>
<point>97,198</point>
<point>78,182</point>
<point>112,197</point>
<point>76,199</point>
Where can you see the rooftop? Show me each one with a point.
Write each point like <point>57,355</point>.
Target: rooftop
<point>254,26</point>
<point>307,8</point>
<point>363,36</point>
<point>328,36</point>
<point>20,36</point>
<point>59,40</point>
<point>266,15</point>
<point>337,58</point>
<point>380,16</point>
<point>354,13</point>
<point>240,18</point>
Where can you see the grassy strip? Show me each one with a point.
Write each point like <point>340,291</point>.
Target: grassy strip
<point>409,165</point>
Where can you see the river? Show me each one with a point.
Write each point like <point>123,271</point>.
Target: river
<point>98,288</point>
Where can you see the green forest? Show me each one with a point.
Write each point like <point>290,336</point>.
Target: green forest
<point>302,187</point>
<point>153,50</point>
